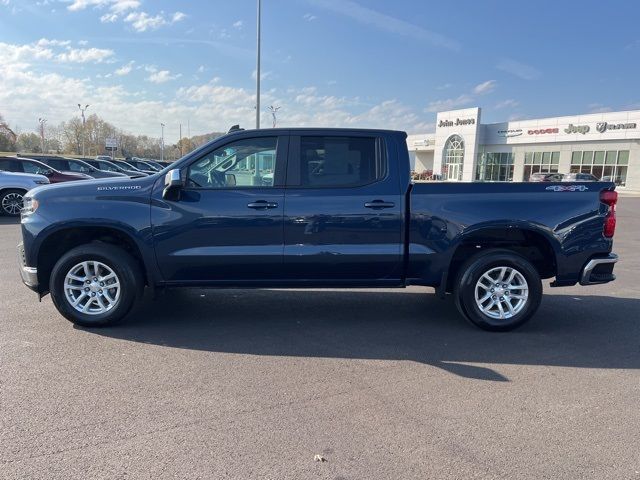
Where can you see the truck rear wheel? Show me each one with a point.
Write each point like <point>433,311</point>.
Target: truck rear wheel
<point>95,285</point>
<point>498,290</point>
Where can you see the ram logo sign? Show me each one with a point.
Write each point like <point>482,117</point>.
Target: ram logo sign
<point>568,188</point>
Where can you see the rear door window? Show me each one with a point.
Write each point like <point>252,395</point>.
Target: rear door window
<point>325,161</point>
<point>5,164</point>
<point>57,164</point>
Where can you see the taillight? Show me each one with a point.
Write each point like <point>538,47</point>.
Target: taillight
<point>610,198</point>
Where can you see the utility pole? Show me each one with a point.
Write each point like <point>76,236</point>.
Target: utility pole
<point>82,110</point>
<point>273,111</point>
<point>162,143</point>
<point>180,140</point>
<point>42,121</point>
<point>258,71</point>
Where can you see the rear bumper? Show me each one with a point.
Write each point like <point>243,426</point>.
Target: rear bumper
<point>599,270</point>
<point>29,274</point>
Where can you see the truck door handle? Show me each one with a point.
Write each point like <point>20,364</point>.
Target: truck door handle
<point>379,204</point>
<point>262,205</point>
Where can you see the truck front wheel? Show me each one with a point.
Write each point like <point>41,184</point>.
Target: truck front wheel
<point>95,285</point>
<point>498,290</point>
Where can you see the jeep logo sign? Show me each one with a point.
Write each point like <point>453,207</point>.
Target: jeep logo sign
<point>577,129</point>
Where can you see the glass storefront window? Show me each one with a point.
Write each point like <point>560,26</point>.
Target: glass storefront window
<point>541,162</point>
<point>609,165</point>
<point>495,167</point>
<point>575,158</point>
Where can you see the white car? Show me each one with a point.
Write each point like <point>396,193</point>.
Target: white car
<point>13,187</point>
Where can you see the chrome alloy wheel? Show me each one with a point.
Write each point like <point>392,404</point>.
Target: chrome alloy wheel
<point>12,203</point>
<point>92,287</point>
<point>501,292</point>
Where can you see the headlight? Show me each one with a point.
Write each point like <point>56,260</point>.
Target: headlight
<point>42,182</point>
<point>29,206</point>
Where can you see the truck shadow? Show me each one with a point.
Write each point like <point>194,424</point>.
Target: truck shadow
<point>568,331</point>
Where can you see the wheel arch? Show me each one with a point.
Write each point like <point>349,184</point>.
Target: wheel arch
<point>63,239</point>
<point>535,244</point>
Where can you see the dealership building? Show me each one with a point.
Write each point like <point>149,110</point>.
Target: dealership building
<point>463,148</point>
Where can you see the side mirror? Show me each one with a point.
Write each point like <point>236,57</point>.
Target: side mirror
<point>230,180</point>
<point>173,184</point>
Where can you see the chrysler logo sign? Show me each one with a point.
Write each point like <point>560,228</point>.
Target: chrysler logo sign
<point>510,133</point>
<point>604,126</point>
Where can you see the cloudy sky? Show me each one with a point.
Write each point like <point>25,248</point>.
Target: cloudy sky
<point>360,63</point>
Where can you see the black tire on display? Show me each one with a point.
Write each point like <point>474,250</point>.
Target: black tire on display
<point>95,285</point>
<point>498,290</point>
<point>11,202</point>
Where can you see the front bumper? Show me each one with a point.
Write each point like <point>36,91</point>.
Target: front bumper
<point>29,274</point>
<point>599,270</point>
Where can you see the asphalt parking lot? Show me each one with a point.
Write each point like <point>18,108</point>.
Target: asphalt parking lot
<point>386,384</point>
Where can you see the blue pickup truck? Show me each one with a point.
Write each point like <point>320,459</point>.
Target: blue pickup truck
<point>313,208</point>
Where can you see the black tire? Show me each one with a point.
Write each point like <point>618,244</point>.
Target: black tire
<point>7,203</point>
<point>466,285</point>
<point>120,262</point>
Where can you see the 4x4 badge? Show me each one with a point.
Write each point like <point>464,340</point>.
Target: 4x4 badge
<point>568,188</point>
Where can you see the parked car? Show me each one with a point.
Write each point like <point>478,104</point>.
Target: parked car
<point>545,177</point>
<point>103,157</point>
<point>142,165</point>
<point>74,165</point>
<point>128,166</point>
<point>313,208</point>
<point>109,166</point>
<point>13,187</point>
<point>579,177</point>
<point>28,165</point>
<point>155,164</point>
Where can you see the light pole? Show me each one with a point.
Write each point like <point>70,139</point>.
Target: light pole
<point>273,111</point>
<point>42,121</point>
<point>82,110</point>
<point>162,143</point>
<point>258,71</point>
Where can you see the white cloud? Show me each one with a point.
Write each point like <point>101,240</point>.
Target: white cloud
<point>142,21</point>
<point>84,55</point>
<point>211,105</point>
<point>309,17</point>
<point>45,49</point>
<point>109,17</point>
<point>179,16</point>
<point>44,42</point>
<point>461,100</point>
<point>484,87</point>
<point>115,5</point>
<point>510,103</point>
<point>522,70</point>
<point>263,75</point>
<point>128,11</point>
<point>201,69</point>
<point>450,103</point>
<point>599,108</point>
<point>385,22</point>
<point>239,24</point>
<point>125,69</point>
<point>83,43</point>
<point>162,76</point>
